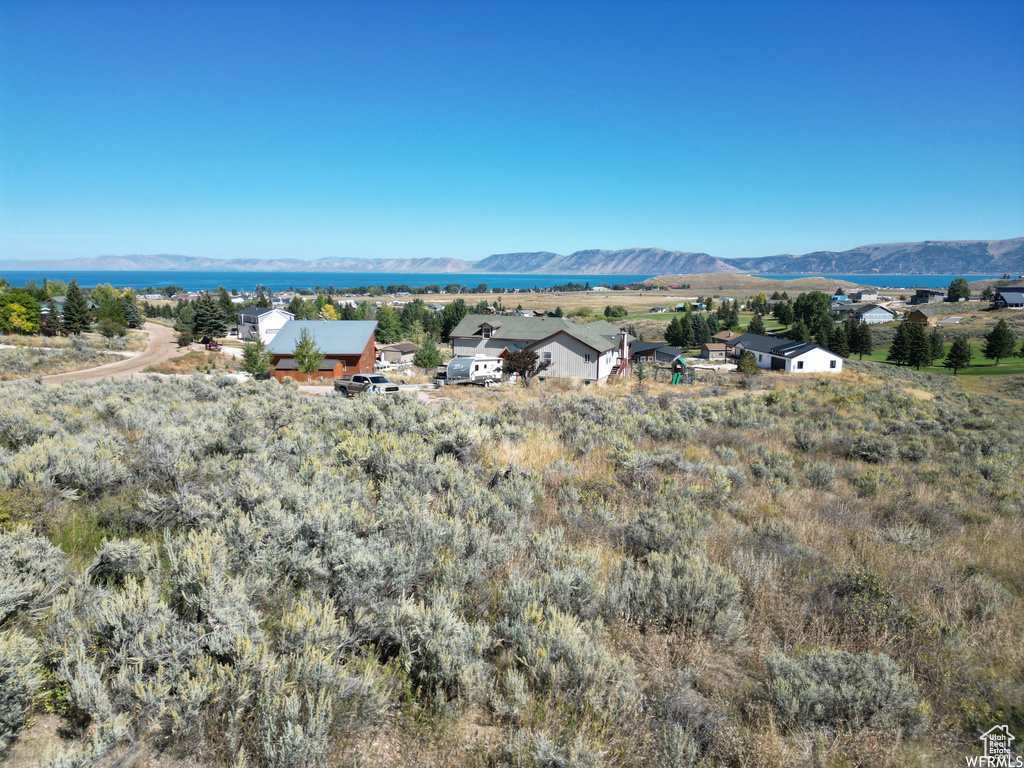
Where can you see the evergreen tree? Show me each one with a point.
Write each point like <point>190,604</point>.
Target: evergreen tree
<point>988,294</point>
<point>999,343</point>
<point>850,329</point>
<point>209,318</point>
<point>227,309</point>
<point>297,307</point>
<point>51,323</point>
<point>674,333</point>
<point>958,289</point>
<point>838,341</point>
<point>558,312</point>
<point>130,310</point>
<point>262,301</point>
<point>687,339</point>
<point>798,332</point>
<point>938,348</point>
<point>389,328</point>
<point>77,317</point>
<point>863,343</point>
<point>427,355</point>
<point>734,314</point>
<point>255,358</point>
<point>713,324</point>
<point>959,356</point>
<point>899,351</point>
<point>701,334</point>
<point>920,347</point>
<point>823,337</point>
<point>748,363</point>
<point>756,325</point>
<point>307,354</point>
<point>186,318</point>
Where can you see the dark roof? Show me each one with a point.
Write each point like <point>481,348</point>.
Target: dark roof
<point>774,346</point>
<point>332,337</point>
<point>258,311</point>
<point>794,348</point>
<point>645,346</point>
<point>1012,297</point>
<point>755,342</point>
<point>658,347</point>
<point>405,347</point>
<point>926,311</point>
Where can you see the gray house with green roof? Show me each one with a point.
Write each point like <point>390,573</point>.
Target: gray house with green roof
<point>591,352</point>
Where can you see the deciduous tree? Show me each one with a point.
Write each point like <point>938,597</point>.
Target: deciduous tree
<point>958,289</point>
<point>525,364</point>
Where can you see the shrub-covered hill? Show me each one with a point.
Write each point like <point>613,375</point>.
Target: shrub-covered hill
<point>234,574</point>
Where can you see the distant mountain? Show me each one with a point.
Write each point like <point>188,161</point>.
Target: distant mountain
<point>931,257</point>
<point>631,261</point>
<point>935,257</point>
<point>165,263</point>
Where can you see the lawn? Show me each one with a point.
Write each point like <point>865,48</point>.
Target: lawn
<point>980,366</point>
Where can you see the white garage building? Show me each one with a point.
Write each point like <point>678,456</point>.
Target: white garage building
<point>774,354</point>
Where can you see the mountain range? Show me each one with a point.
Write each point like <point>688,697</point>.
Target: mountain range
<point>937,257</point>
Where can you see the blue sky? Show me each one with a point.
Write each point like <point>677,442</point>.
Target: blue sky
<point>461,129</point>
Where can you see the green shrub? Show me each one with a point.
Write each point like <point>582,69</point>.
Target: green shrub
<point>835,688</point>
<point>20,675</point>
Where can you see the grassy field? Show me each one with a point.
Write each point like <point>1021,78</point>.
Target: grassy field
<point>979,366</point>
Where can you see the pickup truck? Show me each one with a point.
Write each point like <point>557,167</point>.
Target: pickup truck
<point>364,382</point>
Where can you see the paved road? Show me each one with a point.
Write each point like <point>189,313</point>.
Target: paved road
<point>162,346</point>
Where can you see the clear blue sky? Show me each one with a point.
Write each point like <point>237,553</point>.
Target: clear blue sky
<point>408,129</point>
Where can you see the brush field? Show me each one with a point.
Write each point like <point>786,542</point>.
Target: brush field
<point>791,571</point>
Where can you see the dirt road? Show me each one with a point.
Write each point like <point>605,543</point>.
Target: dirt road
<point>162,346</point>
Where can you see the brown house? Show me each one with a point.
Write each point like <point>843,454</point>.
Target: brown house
<point>347,347</point>
<point>921,316</point>
<point>714,351</point>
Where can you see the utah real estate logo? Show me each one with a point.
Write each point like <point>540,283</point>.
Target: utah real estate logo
<point>998,752</point>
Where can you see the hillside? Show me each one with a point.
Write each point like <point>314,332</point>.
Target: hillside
<point>216,573</point>
<point>962,257</point>
<point>931,257</point>
<point>631,261</point>
<point>748,285</point>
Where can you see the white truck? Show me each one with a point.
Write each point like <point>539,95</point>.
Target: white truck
<point>485,371</point>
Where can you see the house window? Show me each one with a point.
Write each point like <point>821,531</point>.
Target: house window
<point>546,357</point>
<point>586,357</point>
<point>799,364</point>
<point>760,358</point>
<point>486,331</point>
<point>831,363</point>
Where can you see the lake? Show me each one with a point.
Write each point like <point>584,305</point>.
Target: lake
<point>280,281</point>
